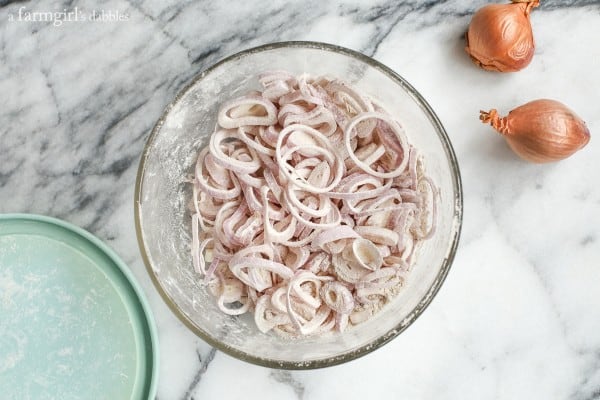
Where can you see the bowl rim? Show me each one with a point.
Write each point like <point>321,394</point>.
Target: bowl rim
<point>456,225</point>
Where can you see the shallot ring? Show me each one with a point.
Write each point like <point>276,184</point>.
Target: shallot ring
<point>324,203</point>
<point>334,212</point>
<point>254,144</point>
<point>244,167</point>
<point>219,193</point>
<point>228,122</point>
<point>366,254</point>
<point>399,135</point>
<point>339,165</point>
<point>236,265</point>
<point>343,302</point>
<point>333,234</point>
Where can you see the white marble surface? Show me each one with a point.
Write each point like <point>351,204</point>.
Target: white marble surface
<point>518,316</point>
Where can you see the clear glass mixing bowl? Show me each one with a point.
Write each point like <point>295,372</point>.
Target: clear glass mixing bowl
<point>162,197</point>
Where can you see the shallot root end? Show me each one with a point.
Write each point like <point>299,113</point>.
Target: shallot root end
<point>494,120</point>
<point>531,4</point>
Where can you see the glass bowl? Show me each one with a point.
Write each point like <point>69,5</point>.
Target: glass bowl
<point>162,198</point>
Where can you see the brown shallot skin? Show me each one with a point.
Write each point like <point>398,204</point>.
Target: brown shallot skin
<point>500,37</point>
<point>541,131</point>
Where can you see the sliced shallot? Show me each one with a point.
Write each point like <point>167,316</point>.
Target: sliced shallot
<point>308,204</point>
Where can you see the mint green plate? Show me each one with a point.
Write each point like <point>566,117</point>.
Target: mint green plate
<point>74,324</point>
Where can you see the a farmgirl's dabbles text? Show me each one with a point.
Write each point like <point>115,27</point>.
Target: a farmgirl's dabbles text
<point>308,206</point>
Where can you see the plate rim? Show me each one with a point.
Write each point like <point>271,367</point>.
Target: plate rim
<point>150,329</point>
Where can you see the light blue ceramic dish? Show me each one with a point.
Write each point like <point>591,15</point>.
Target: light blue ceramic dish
<point>73,322</point>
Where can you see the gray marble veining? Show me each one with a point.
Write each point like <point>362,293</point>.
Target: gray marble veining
<point>519,314</point>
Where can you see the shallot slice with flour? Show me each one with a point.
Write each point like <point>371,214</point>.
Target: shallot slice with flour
<point>309,204</point>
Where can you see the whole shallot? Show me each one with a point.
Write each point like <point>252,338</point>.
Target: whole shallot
<point>540,131</point>
<point>500,37</point>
